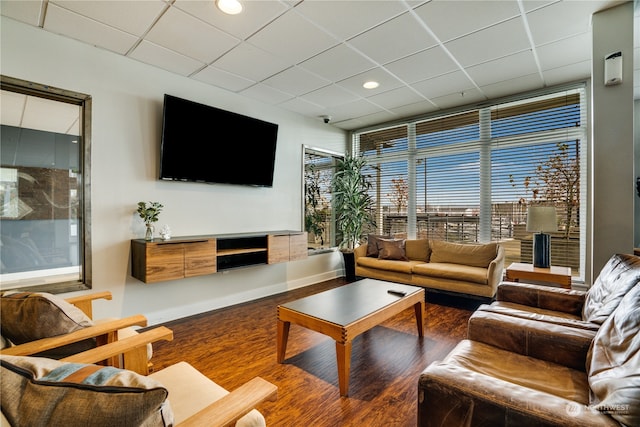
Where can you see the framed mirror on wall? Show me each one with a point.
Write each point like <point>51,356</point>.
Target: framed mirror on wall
<point>318,216</point>
<point>44,187</point>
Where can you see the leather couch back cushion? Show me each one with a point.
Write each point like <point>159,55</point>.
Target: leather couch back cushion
<point>418,249</point>
<point>466,254</point>
<point>37,390</point>
<point>613,362</point>
<point>620,274</point>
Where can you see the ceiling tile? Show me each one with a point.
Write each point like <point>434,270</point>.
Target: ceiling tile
<point>301,106</point>
<point>222,79</point>
<point>509,87</point>
<point>490,43</point>
<point>502,69</point>
<point>330,96</point>
<point>254,16</point>
<point>358,108</point>
<point>292,38</point>
<point>453,19</point>
<point>152,54</point>
<point>52,116</point>
<point>470,96</point>
<point>351,63</point>
<point>550,23</point>
<point>395,98</point>
<point>251,62</point>
<point>12,105</point>
<point>566,51</point>
<point>446,84</point>
<point>23,11</point>
<point>394,39</point>
<point>567,73</point>
<point>78,27</point>
<point>296,81</point>
<point>386,80</point>
<point>354,17</point>
<point>423,65</point>
<point>134,17</point>
<point>266,94</point>
<point>415,109</point>
<point>191,37</point>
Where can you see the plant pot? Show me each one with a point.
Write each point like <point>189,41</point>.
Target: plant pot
<point>149,233</point>
<point>349,266</point>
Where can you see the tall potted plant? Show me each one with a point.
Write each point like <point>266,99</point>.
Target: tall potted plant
<point>353,207</point>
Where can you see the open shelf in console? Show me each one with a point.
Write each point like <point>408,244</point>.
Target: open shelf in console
<point>240,251</point>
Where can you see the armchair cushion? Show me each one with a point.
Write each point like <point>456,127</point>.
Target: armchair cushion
<point>29,316</point>
<point>40,391</point>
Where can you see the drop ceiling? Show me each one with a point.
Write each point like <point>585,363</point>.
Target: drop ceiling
<point>313,56</point>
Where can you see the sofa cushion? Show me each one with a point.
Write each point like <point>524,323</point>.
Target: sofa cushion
<point>613,362</point>
<point>372,244</point>
<point>417,249</point>
<point>620,273</point>
<point>388,264</point>
<point>458,272</point>
<point>475,255</point>
<point>40,391</point>
<point>29,316</point>
<point>391,249</point>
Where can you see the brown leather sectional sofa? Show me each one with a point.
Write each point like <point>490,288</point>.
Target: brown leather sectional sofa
<point>543,356</point>
<point>471,269</point>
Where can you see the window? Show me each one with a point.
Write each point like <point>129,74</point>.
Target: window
<point>44,171</point>
<point>319,220</point>
<point>470,176</point>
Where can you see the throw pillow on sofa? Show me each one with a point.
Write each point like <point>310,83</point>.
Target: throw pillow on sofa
<point>40,391</point>
<point>392,249</point>
<point>475,255</point>
<point>372,244</point>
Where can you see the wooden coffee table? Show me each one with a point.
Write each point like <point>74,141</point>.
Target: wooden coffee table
<point>345,312</point>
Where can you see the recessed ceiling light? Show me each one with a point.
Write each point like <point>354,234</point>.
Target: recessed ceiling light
<point>370,85</point>
<point>231,7</point>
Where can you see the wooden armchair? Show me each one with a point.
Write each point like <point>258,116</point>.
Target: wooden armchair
<point>194,398</point>
<point>103,331</point>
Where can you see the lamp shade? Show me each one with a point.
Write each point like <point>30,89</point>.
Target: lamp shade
<point>541,219</point>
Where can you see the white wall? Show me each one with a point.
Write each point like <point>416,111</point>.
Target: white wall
<point>612,148</point>
<point>127,110</point>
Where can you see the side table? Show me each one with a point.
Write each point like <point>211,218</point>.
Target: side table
<point>558,275</point>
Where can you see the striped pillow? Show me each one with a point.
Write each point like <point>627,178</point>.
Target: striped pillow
<point>38,391</point>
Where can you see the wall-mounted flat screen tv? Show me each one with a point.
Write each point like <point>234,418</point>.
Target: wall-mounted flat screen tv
<point>206,144</point>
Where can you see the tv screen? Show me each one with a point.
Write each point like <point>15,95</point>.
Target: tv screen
<point>206,144</point>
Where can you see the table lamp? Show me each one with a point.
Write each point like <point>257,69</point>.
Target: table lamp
<point>539,220</point>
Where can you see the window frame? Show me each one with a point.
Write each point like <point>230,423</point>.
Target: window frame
<point>485,144</point>
<point>84,101</point>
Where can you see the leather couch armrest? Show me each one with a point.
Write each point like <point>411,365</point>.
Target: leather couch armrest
<point>360,251</point>
<point>546,297</point>
<point>545,341</point>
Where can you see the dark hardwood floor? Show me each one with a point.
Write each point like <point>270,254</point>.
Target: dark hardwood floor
<point>235,344</point>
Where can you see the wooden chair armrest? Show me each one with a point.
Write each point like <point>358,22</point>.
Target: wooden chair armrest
<point>84,302</point>
<point>235,405</point>
<point>104,332</point>
<point>132,348</point>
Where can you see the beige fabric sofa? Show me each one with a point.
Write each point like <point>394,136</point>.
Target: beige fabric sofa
<point>471,269</point>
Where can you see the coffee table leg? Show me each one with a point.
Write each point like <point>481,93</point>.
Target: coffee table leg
<point>343,353</point>
<point>420,312</point>
<point>282,337</point>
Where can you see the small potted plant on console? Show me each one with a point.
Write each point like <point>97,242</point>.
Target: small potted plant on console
<point>149,212</point>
